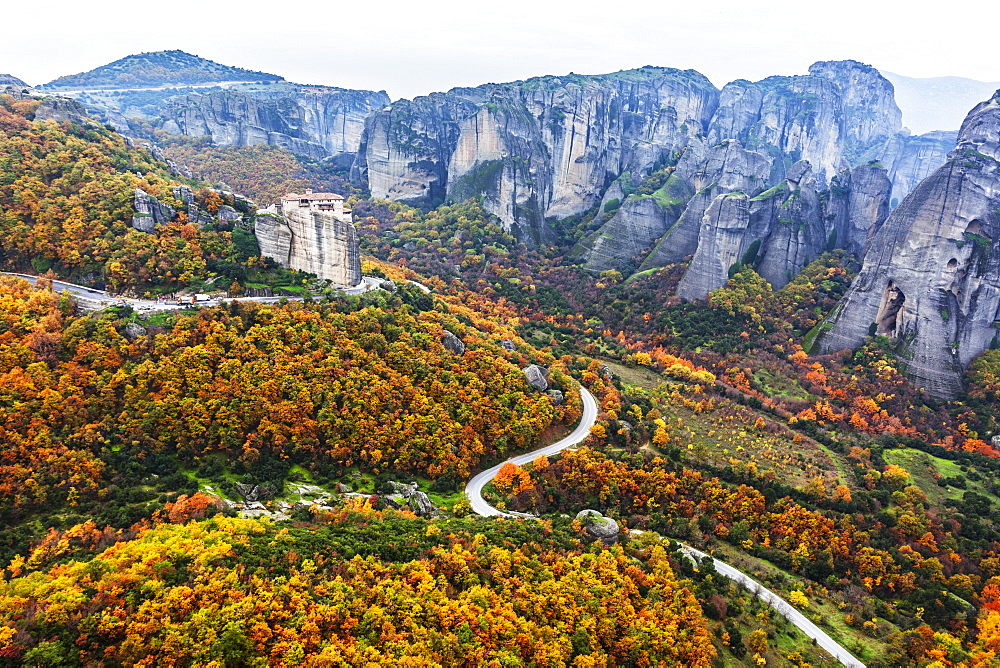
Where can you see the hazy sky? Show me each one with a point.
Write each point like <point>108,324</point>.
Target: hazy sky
<point>411,48</point>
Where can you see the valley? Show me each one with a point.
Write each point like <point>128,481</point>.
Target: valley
<point>545,372</point>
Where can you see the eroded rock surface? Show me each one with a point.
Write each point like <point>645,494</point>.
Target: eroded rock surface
<point>600,527</point>
<point>320,122</point>
<point>536,377</point>
<point>310,240</point>
<point>931,275</point>
<point>150,212</point>
<point>452,343</point>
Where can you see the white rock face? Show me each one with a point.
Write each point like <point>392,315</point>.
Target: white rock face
<point>274,236</point>
<point>931,274</point>
<point>318,122</point>
<point>311,240</point>
<point>911,159</point>
<point>720,245</point>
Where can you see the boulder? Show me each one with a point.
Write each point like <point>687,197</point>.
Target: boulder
<point>134,331</point>
<point>557,397</point>
<point>507,344</point>
<point>453,343</point>
<point>599,526</point>
<point>535,376</point>
<point>185,195</point>
<point>420,504</point>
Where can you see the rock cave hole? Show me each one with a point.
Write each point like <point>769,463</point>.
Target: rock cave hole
<point>952,263</point>
<point>888,314</point>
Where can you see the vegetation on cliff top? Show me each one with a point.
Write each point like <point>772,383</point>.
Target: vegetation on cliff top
<point>157,68</point>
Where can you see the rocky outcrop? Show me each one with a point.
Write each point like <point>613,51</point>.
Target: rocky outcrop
<point>930,279</point>
<point>420,504</point>
<point>150,212</point>
<point>229,214</point>
<point>536,149</point>
<point>859,203</point>
<point>790,223</point>
<point>911,159</point>
<point>780,230</point>
<point>639,223</point>
<point>870,115</point>
<point>452,343</point>
<point>822,123</point>
<point>319,122</point>
<point>60,109</point>
<point>536,377</point>
<point>133,331</point>
<point>274,236</point>
<point>185,195</point>
<point>310,240</point>
<point>702,174</point>
<point>720,245</point>
<point>598,526</point>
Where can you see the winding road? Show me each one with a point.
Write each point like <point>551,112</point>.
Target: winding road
<point>100,299</point>
<point>474,491</point>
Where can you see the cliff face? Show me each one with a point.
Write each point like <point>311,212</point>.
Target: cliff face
<point>931,275</point>
<point>859,203</point>
<point>825,122</point>
<point>318,122</point>
<point>779,142</point>
<point>313,241</point>
<point>911,159</point>
<point>536,149</point>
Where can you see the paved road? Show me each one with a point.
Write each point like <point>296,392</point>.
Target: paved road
<point>420,285</point>
<point>99,299</point>
<point>474,490</point>
<point>783,607</point>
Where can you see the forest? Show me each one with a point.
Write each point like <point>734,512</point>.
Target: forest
<point>126,439</point>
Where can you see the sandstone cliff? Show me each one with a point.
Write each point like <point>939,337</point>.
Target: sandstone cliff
<point>779,142</point>
<point>312,241</point>
<point>911,159</point>
<point>316,121</point>
<point>931,274</point>
<point>538,149</point>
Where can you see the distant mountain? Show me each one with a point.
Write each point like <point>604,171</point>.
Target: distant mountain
<point>938,103</point>
<point>10,80</point>
<point>157,68</point>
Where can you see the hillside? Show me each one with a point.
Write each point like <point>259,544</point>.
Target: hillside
<point>938,103</point>
<point>279,482</point>
<point>157,68</point>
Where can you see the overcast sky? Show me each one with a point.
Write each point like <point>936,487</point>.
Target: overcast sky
<point>412,48</point>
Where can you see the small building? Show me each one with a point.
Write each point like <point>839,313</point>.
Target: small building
<point>317,202</point>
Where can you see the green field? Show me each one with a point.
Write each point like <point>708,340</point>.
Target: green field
<point>925,470</point>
